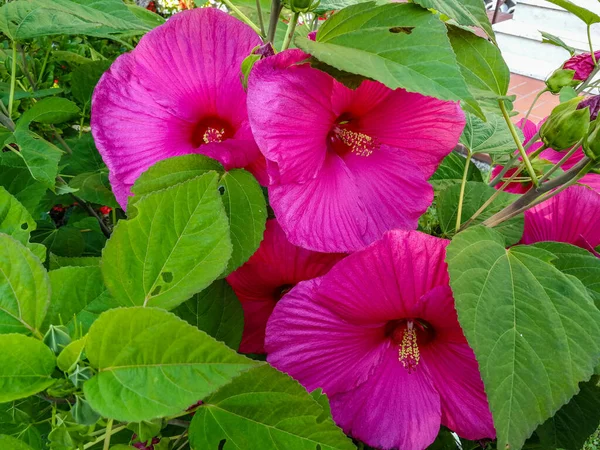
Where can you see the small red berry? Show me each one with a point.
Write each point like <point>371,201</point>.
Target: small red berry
<point>105,210</point>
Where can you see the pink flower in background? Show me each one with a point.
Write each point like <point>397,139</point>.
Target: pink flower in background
<point>345,165</point>
<point>582,64</point>
<point>178,92</point>
<point>380,335</point>
<point>573,216</point>
<point>591,179</point>
<point>275,268</point>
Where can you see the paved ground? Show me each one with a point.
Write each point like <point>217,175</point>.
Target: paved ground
<point>526,89</point>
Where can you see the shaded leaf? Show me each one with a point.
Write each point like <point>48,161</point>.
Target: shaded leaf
<point>8,442</point>
<point>451,171</point>
<point>64,241</point>
<point>22,186</point>
<point>39,156</point>
<point>85,77</point>
<point>15,220</point>
<point>94,187</point>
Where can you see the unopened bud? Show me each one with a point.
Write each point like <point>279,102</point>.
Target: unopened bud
<point>591,144</point>
<point>566,126</point>
<point>57,338</point>
<point>560,79</point>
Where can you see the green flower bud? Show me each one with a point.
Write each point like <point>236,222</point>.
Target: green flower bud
<point>566,126</point>
<point>80,375</point>
<point>83,413</point>
<point>57,338</point>
<point>301,6</point>
<point>561,78</point>
<point>591,144</point>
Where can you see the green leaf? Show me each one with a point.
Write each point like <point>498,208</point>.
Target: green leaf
<point>464,12</point>
<point>21,19</point>
<point>400,45</point>
<point>217,311</point>
<point>24,289</point>
<point>548,38</point>
<point>64,241</point>
<point>94,187</point>
<point>492,137</point>
<point>85,157</point>
<point>40,156</point>
<point>246,208</point>
<point>336,5</point>
<point>22,186</point>
<point>79,296</point>
<point>266,406</point>
<point>176,245</point>
<point>573,424</point>
<point>70,57</point>
<point>71,354</point>
<point>26,366</point>
<point>11,443</point>
<point>534,330</point>
<point>451,171</point>
<point>575,261</point>
<point>49,110</point>
<point>584,14</point>
<point>139,352</point>
<point>15,220</point>
<point>85,77</point>
<point>476,194</point>
<point>567,93</point>
<point>150,19</point>
<point>56,262</point>
<point>483,68</point>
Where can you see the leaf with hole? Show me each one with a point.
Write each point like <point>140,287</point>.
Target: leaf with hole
<point>139,352</point>
<point>15,220</point>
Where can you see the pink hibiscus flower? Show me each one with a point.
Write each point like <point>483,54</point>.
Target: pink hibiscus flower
<point>345,165</point>
<point>573,216</point>
<point>582,64</point>
<point>275,268</point>
<point>178,92</point>
<point>380,335</point>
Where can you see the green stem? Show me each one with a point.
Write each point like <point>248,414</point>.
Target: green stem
<point>261,23</point>
<point>104,436</point>
<point>82,120</point>
<point>537,97</point>
<point>515,136</point>
<point>463,186</point>
<point>289,34</point>
<point>274,20</point>
<point>13,79</point>
<point>563,160</point>
<point>242,16</point>
<point>586,83</point>
<point>108,434</point>
<point>589,36</point>
<point>44,64</point>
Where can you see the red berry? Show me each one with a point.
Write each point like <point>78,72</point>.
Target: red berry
<point>105,210</point>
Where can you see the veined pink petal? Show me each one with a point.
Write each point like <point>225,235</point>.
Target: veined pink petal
<point>178,92</point>
<point>573,216</point>
<point>324,214</point>
<point>591,180</point>
<point>309,342</point>
<point>554,157</point>
<point>393,409</point>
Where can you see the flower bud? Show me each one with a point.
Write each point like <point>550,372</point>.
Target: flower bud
<point>83,413</point>
<point>301,6</point>
<point>560,79</point>
<point>80,375</point>
<point>582,64</point>
<point>591,144</point>
<point>57,338</point>
<point>566,126</point>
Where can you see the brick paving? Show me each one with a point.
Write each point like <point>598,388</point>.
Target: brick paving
<point>526,89</point>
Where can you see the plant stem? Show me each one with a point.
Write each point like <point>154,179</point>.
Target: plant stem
<point>289,34</point>
<point>184,444</point>
<point>13,79</point>
<point>26,68</point>
<point>89,209</point>
<point>463,186</point>
<point>274,19</point>
<point>261,23</point>
<point>563,160</point>
<point>61,140</point>
<point>103,437</point>
<point>585,84</point>
<point>242,16</point>
<point>108,434</point>
<point>589,36</point>
<point>537,97</point>
<point>44,63</point>
<point>515,136</point>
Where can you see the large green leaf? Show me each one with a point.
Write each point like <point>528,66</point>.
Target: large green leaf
<point>78,298</point>
<point>49,110</point>
<point>85,157</point>
<point>266,406</point>
<point>15,220</point>
<point>465,12</point>
<point>176,245</point>
<point>451,171</point>
<point>217,311</point>
<point>583,13</point>
<point>476,194</point>
<point>85,77</point>
<point>247,211</point>
<point>26,366</point>
<point>39,156</point>
<point>64,241</point>
<point>25,19</point>
<point>24,289</point>
<point>152,364</point>
<point>335,5</point>
<point>23,186</point>
<point>534,330</point>
<point>492,137</point>
<point>573,424</point>
<point>95,188</point>
<point>11,443</point>
<point>400,45</point>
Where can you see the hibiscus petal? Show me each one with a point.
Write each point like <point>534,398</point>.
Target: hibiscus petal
<point>313,345</point>
<point>402,267</point>
<point>591,180</point>
<point>573,216</point>
<point>393,409</point>
<point>323,214</point>
<point>290,113</point>
<point>392,188</point>
<point>256,315</point>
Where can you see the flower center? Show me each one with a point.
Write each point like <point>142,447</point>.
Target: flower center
<point>211,129</point>
<point>408,334</point>
<point>280,291</point>
<point>345,138</point>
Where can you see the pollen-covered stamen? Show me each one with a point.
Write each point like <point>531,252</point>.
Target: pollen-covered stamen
<point>213,135</point>
<point>359,143</point>
<point>408,354</point>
